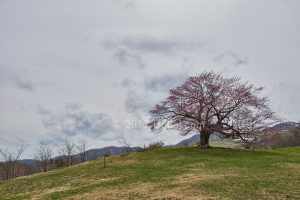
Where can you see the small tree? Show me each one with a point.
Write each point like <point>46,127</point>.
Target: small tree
<point>210,103</point>
<point>44,156</point>
<point>67,151</point>
<point>125,144</point>
<point>81,149</point>
<point>9,162</point>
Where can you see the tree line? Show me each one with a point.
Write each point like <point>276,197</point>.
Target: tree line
<point>70,153</point>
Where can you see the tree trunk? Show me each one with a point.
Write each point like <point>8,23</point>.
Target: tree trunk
<point>204,140</point>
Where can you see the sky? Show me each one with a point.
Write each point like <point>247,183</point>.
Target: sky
<point>93,69</point>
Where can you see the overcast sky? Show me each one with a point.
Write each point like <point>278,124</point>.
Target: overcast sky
<point>85,69</point>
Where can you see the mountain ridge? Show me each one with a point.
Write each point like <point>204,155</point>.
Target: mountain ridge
<point>116,150</point>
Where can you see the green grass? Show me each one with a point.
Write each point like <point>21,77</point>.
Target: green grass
<point>176,173</point>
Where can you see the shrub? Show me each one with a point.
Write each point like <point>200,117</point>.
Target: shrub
<point>247,146</point>
<point>155,145</point>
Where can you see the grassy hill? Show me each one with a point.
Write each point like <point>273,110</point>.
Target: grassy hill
<point>177,173</point>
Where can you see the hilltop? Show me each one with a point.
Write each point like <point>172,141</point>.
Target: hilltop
<point>170,173</point>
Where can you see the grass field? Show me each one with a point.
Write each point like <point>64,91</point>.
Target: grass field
<point>176,173</point>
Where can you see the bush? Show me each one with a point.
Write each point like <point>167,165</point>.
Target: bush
<point>155,145</point>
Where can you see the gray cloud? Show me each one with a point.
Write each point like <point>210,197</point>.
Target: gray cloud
<point>127,5</point>
<point>73,121</point>
<point>165,82</point>
<point>23,84</point>
<point>20,80</point>
<point>230,58</point>
<point>126,82</point>
<point>149,44</point>
<point>187,62</point>
<point>130,50</point>
<point>128,58</point>
<point>139,103</point>
<point>135,102</point>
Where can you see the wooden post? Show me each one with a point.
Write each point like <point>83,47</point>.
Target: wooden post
<point>104,161</point>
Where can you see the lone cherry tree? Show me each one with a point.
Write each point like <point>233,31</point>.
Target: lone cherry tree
<point>210,103</point>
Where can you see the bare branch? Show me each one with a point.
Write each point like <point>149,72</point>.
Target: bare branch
<point>10,161</point>
<point>125,144</point>
<point>81,147</point>
<point>44,156</point>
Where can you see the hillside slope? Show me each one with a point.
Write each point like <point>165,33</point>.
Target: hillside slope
<point>176,173</point>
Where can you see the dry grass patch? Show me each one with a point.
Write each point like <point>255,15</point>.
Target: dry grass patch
<point>69,186</point>
<point>196,165</point>
<point>293,166</point>
<point>189,178</point>
<point>273,194</point>
<point>180,189</point>
<point>122,162</point>
<point>46,192</point>
<point>86,181</point>
<point>143,191</point>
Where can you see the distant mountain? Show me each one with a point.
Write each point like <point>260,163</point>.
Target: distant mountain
<point>29,161</point>
<point>189,142</point>
<point>110,150</point>
<point>91,154</point>
<point>194,140</point>
<point>283,126</point>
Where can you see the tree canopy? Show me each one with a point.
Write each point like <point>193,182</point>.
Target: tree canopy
<point>209,103</point>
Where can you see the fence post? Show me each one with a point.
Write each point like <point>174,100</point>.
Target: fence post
<point>104,161</point>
